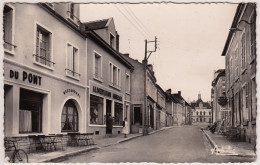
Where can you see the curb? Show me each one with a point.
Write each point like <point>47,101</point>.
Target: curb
<point>67,154</point>
<point>218,152</point>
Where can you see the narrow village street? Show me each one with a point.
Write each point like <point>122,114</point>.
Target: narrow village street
<point>179,144</point>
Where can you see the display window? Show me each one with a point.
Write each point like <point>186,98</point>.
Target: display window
<point>118,114</point>
<point>30,111</point>
<point>96,110</point>
<point>69,117</point>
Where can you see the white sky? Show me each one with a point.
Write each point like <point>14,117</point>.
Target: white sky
<point>191,39</point>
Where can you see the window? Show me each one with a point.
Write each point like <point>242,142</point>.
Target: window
<point>200,112</point>
<point>204,113</point>
<point>8,28</point>
<point>118,114</point>
<point>236,62</point>
<point>71,10</point>
<point>43,47</point>
<point>209,113</point>
<point>97,66</point>
<point>243,61</point>
<point>204,119</point>
<point>197,113</point>
<point>197,119</point>
<point>209,120</point>
<point>115,74</point>
<point>72,68</point>
<point>253,33</point>
<point>111,40</point>
<point>96,110</point>
<point>127,83</point>
<point>69,117</point>
<point>30,111</point>
<point>245,102</point>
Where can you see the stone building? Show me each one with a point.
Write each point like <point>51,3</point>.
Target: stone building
<point>161,115</point>
<point>45,83</point>
<point>140,116</point>
<point>201,112</point>
<point>240,58</point>
<point>219,113</point>
<point>108,78</point>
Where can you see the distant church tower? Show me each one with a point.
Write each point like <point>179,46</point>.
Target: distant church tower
<point>199,96</point>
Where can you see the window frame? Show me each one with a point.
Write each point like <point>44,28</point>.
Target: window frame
<point>243,50</point>
<point>12,52</point>
<point>51,36</point>
<point>98,77</point>
<point>117,84</point>
<point>113,41</point>
<point>77,113</point>
<point>67,69</point>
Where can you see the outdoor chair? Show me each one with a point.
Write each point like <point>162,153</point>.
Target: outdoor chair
<point>58,140</point>
<point>34,142</point>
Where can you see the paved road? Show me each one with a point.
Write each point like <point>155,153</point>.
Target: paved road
<point>184,144</point>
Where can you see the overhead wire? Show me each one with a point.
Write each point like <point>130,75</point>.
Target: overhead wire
<point>145,35</point>
<point>137,20</point>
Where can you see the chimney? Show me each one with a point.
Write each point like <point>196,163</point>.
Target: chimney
<point>117,42</point>
<point>169,91</point>
<point>126,54</point>
<point>179,93</point>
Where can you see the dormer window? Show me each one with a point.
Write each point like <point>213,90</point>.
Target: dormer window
<point>71,10</point>
<point>111,40</point>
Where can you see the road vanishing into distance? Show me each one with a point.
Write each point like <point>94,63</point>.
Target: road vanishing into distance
<point>179,144</point>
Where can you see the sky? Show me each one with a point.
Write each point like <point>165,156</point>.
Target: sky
<point>191,38</point>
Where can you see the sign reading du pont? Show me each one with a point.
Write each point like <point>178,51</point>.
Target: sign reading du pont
<point>25,77</point>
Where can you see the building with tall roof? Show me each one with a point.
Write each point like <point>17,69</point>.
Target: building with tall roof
<point>108,78</point>
<point>201,111</point>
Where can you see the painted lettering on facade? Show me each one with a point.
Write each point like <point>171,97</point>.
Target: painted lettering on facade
<point>101,91</point>
<point>29,77</point>
<point>115,96</point>
<point>71,91</point>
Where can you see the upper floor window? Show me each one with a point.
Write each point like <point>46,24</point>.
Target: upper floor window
<point>71,10</point>
<point>127,83</point>
<point>8,28</point>
<point>253,33</point>
<point>243,61</point>
<point>111,40</point>
<point>209,113</point>
<point>236,62</point>
<point>115,74</point>
<point>43,46</point>
<point>97,66</point>
<point>204,113</point>
<point>72,68</point>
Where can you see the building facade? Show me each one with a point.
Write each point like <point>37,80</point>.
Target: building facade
<point>108,78</point>
<point>240,58</point>
<point>161,114</point>
<point>220,112</point>
<point>178,109</point>
<point>45,85</point>
<point>201,112</point>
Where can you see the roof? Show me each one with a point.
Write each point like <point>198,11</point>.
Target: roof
<point>103,44</point>
<point>178,98</point>
<point>197,103</point>
<point>233,26</point>
<point>98,24</point>
<point>221,73</point>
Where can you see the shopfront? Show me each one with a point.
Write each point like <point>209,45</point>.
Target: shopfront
<point>38,103</point>
<point>105,102</point>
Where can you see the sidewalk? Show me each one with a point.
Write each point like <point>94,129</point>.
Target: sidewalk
<point>69,151</point>
<point>223,146</point>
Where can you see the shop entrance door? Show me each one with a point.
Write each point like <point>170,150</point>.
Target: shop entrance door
<point>108,107</point>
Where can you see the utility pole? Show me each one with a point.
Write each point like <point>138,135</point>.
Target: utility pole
<point>145,61</point>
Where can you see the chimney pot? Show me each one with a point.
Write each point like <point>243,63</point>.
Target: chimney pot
<point>179,93</point>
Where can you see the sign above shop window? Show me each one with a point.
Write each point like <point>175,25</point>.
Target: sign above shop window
<point>26,77</point>
<point>106,93</point>
<point>71,91</point>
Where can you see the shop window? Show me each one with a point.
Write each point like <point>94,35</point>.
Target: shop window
<point>118,114</point>
<point>43,47</point>
<point>30,111</point>
<point>97,66</point>
<point>8,28</point>
<point>69,117</point>
<point>96,110</point>
<point>72,68</point>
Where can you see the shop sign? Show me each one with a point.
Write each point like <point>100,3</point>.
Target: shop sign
<point>101,91</point>
<point>29,77</point>
<point>225,109</point>
<point>71,91</point>
<point>115,96</point>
